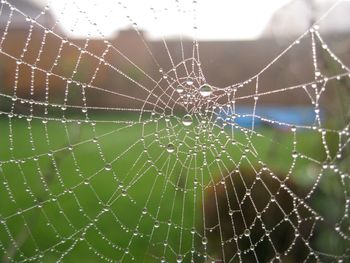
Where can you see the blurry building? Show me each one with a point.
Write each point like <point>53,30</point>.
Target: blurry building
<point>26,30</point>
<point>131,62</point>
<point>295,18</point>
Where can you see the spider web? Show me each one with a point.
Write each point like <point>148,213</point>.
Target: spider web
<point>160,168</point>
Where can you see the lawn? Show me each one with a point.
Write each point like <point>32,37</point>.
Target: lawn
<point>115,191</point>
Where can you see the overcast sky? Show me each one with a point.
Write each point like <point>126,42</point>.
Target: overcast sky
<point>216,19</point>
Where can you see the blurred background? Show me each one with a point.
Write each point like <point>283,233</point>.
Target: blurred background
<point>75,78</point>
<point>237,40</point>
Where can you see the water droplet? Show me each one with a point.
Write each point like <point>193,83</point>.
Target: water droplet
<point>179,89</point>
<point>204,240</point>
<point>246,232</point>
<point>205,90</point>
<point>179,259</point>
<point>170,148</point>
<point>108,167</point>
<point>156,224</point>
<point>189,82</point>
<point>187,120</point>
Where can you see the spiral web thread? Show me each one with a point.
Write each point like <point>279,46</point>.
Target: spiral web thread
<point>176,179</point>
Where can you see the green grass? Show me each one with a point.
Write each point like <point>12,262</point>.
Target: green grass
<point>77,183</point>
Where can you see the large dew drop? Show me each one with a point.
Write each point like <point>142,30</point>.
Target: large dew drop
<point>170,148</point>
<point>187,120</point>
<point>205,90</point>
<point>189,82</point>
<point>179,89</point>
<point>204,240</point>
<point>108,167</point>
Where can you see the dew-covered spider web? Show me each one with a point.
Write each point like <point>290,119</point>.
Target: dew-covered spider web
<point>160,164</point>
